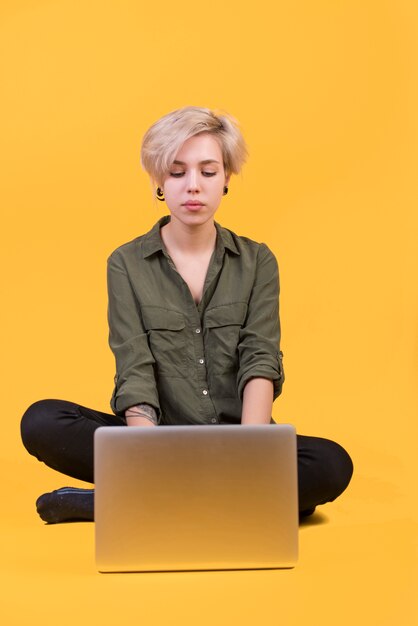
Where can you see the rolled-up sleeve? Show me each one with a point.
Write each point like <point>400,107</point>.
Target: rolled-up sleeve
<point>259,341</point>
<point>135,379</point>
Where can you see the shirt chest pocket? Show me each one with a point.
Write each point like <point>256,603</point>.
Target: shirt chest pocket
<point>166,339</point>
<point>222,326</point>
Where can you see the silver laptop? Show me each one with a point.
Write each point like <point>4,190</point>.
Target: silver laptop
<point>176,498</point>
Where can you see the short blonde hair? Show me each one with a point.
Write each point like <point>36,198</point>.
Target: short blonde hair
<point>165,137</point>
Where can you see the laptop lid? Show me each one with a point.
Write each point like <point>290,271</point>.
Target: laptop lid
<point>195,498</point>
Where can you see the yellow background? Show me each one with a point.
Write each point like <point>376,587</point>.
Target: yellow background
<point>326,93</point>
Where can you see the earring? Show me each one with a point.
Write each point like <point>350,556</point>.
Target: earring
<point>225,190</point>
<point>160,194</point>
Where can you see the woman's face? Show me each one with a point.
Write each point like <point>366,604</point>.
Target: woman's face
<point>193,188</point>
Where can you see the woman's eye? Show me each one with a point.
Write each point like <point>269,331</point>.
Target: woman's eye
<point>180,174</point>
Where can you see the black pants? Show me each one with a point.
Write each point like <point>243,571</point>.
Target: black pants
<point>61,434</point>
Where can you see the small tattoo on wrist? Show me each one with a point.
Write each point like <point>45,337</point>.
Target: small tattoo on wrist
<point>143,410</point>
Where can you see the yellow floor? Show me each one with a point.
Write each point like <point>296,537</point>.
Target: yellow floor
<point>357,566</point>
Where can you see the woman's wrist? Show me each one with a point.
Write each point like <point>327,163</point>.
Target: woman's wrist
<point>140,420</point>
<point>257,401</point>
<point>141,412</point>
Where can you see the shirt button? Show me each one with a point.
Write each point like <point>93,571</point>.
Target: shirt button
<point>205,392</point>
<point>201,361</point>
<point>198,330</point>
<point>213,420</point>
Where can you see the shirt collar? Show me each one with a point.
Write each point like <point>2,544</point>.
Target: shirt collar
<point>153,243</point>
<point>225,237</point>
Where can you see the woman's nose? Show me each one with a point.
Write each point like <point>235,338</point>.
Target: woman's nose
<point>193,180</point>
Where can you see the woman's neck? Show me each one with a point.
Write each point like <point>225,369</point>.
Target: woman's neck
<point>189,239</point>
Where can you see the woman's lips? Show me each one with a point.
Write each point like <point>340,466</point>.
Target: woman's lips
<point>193,206</point>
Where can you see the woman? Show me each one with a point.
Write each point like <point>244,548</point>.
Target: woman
<point>193,321</point>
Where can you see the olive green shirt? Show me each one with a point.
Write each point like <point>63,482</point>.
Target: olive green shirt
<point>191,362</point>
